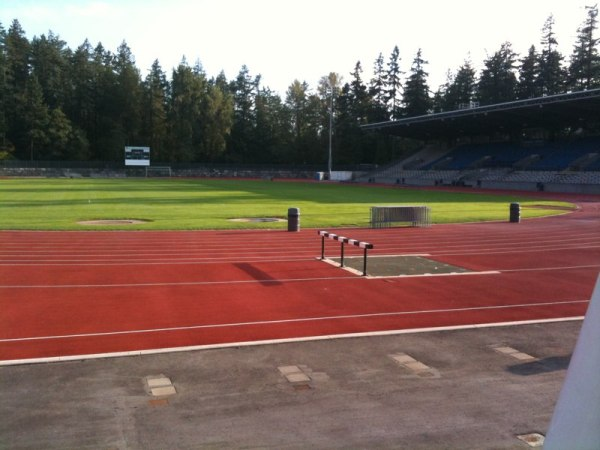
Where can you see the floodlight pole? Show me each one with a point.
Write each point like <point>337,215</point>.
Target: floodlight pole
<point>330,131</point>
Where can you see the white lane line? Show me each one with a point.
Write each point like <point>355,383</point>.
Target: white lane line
<point>166,252</point>
<point>296,280</point>
<point>267,280</point>
<point>109,258</point>
<point>520,249</point>
<point>485,246</point>
<point>444,245</point>
<point>180,283</point>
<point>158,262</point>
<point>481,249</point>
<point>540,269</point>
<point>304,319</point>
<point>280,341</point>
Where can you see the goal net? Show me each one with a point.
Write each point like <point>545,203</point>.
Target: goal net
<point>158,171</point>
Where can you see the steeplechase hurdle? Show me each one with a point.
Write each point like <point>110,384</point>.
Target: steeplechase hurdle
<point>344,240</point>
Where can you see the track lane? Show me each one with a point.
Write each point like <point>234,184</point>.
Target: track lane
<point>335,306</point>
<point>102,292</point>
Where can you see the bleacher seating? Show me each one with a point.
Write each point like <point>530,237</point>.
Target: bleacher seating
<point>594,166</point>
<point>538,166</point>
<point>551,156</point>
<point>528,176</point>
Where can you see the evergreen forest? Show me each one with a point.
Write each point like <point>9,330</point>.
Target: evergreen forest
<point>87,103</point>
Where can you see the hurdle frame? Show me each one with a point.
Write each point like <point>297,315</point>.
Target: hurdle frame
<point>344,240</point>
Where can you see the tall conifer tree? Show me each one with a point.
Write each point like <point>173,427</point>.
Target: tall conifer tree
<point>154,111</point>
<point>552,76</point>
<point>498,80</point>
<point>584,68</point>
<point>377,91</point>
<point>461,90</point>
<point>393,84</point>
<point>529,76</point>
<point>359,95</point>
<point>244,117</point>
<point>416,100</point>
<point>5,146</point>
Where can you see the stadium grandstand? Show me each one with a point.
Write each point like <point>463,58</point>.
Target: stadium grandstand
<point>549,143</point>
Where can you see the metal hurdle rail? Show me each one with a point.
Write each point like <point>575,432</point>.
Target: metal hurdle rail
<point>344,240</point>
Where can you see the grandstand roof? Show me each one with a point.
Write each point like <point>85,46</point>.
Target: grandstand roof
<point>553,111</point>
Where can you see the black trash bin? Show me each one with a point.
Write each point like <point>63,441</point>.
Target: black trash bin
<point>515,212</point>
<point>293,219</point>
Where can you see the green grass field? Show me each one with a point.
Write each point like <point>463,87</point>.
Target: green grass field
<point>186,204</point>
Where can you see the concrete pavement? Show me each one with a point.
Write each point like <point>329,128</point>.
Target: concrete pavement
<point>465,389</point>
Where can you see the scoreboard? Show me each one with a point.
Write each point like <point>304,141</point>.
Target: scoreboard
<point>137,156</point>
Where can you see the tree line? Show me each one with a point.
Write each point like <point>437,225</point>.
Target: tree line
<point>87,104</point>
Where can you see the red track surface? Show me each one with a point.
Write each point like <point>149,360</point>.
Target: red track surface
<point>65,294</point>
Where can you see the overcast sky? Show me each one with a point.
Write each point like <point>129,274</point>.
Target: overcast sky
<point>284,40</point>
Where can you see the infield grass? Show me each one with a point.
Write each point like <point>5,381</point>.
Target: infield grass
<point>186,204</point>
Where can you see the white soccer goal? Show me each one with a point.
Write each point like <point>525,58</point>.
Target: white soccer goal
<point>158,171</point>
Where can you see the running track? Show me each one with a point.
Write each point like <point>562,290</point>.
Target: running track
<point>69,295</point>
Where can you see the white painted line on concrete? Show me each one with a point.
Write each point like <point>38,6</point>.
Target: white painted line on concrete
<point>514,353</point>
<point>281,341</point>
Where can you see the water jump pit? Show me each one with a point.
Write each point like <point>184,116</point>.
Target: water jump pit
<point>109,222</point>
<point>399,266</point>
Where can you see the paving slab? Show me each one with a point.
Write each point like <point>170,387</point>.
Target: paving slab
<point>416,366</point>
<point>159,381</point>
<point>286,370</point>
<point>403,358</point>
<point>164,390</point>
